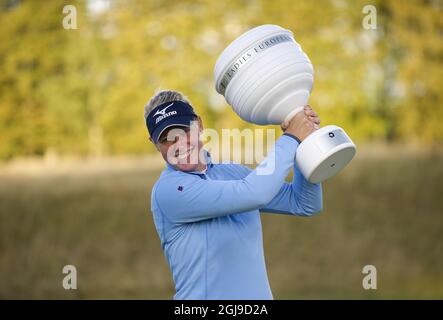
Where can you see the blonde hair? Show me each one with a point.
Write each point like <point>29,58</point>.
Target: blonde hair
<point>164,96</point>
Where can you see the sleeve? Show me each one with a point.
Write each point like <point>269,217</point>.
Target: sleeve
<point>186,198</point>
<point>300,197</point>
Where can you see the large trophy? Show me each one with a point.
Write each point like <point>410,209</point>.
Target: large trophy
<point>267,78</point>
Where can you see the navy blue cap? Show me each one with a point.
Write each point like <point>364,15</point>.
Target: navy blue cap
<point>172,113</point>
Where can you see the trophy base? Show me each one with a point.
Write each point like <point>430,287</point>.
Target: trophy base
<point>324,153</point>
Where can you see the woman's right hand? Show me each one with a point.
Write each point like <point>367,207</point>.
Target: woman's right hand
<point>301,125</point>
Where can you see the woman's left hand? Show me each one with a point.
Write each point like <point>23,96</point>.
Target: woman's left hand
<point>312,116</point>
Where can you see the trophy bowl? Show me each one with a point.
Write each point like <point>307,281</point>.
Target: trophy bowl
<point>267,78</point>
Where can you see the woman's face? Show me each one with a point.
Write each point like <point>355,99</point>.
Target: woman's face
<point>180,146</point>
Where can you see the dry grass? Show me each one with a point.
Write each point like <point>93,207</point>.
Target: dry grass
<point>384,210</point>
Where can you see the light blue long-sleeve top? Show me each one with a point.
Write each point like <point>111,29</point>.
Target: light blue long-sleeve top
<point>209,223</point>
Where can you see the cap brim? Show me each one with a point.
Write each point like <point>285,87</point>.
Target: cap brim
<point>182,121</point>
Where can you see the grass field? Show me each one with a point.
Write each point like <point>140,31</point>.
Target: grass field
<point>385,209</point>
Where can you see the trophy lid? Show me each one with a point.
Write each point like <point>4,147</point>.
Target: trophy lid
<point>240,45</point>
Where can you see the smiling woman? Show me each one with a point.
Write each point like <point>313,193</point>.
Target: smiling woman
<point>207,215</point>
<point>174,128</point>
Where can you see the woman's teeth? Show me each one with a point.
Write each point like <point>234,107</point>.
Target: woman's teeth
<point>185,154</point>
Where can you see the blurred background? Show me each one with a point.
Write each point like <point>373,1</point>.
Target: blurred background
<point>76,169</point>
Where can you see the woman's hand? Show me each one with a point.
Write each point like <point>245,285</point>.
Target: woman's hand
<point>312,116</point>
<point>303,123</point>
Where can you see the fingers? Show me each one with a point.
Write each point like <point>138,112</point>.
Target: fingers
<point>302,123</point>
<point>312,115</point>
<point>316,120</point>
<point>284,125</point>
<point>309,112</point>
<point>308,123</point>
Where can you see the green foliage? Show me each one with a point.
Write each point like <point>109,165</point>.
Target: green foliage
<point>82,91</point>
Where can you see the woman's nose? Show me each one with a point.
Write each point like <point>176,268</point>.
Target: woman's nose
<point>181,139</point>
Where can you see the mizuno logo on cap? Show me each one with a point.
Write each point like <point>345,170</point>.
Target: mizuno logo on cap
<point>165,116</point>
<point>162,111</point>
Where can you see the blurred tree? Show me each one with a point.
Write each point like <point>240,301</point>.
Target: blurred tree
<point>413,39</point>
<point>82,91</point>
